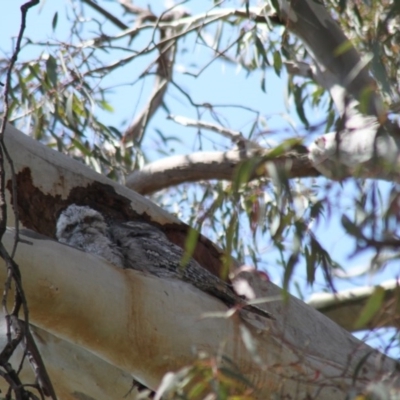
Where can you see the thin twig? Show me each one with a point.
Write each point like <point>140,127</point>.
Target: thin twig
<point>13,272</point>
<point>231,134</point>
<point>165,63</point>
<point>184,25</point>
<point>106,14</point>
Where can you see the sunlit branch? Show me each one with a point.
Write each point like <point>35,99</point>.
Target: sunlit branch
<point>346,306</point>
<point>200,166</point>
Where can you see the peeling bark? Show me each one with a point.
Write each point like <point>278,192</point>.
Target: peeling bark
<point>48,181</point>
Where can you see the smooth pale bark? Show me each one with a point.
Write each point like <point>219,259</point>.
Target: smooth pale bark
<point>354,152</point>
<point>364,153</point>
<point>345,308</point>
<point>75,372</point>
<point>332,52</point>
<point>146,326</point>
<point>200,166</point>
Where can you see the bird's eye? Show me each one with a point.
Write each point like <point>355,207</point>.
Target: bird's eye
<point>70,227</point>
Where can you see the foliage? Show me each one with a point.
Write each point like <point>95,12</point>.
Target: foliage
<point>209,378</point>
<point>63,95</point>
<point>371,25</point>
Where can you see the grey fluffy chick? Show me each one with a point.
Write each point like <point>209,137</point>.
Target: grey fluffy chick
<point>141,246</point>
<point>85,228</point>
<point>147,248</point>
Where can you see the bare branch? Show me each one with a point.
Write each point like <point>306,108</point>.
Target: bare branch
<point>214,165</point>
<point>363,149</point>
<point>165,64</point>
<point>235,136</point>
<point>116,21</point>
<point>183,25</point>
<point>136,130</point>
<point>345,307</point>
<point>331,49</point>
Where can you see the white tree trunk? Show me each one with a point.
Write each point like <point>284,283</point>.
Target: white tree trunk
<point>143,326</point>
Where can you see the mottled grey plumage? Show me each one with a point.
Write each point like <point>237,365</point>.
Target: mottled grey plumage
<point>147,248</point>
<point>85,228</point>
<point>141,246</point>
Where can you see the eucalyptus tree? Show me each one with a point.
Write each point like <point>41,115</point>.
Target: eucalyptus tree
<point>257,191</point>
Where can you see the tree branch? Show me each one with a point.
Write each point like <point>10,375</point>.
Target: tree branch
<point>75,371</point>
<point>332,51</point>
<point>234,136</point>
<point>301,352</point>
<point>366,146</point>
<point>298,360</point>
<point>200,166</point>
<point>116,21</point>
<point>165,65</point>
<point>345,307</point>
